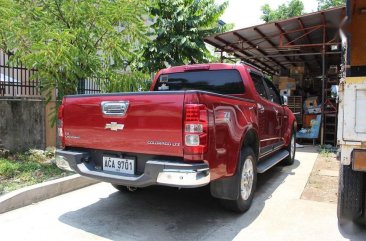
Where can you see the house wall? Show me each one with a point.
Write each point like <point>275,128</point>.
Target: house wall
<point>22,123</point>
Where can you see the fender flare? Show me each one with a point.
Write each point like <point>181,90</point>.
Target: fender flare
<point>225,188</point>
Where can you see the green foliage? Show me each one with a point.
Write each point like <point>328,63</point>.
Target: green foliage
<point>294,8</point>
<point>7,12</point>
<point>325,4</point>
<point>178,29</point>
<point>8,169</point>
<point>72,40</point>
<point>287,10</point>
<point>131,81</point>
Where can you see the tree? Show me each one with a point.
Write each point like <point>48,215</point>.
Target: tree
<point>291,9</point>
<point>71,40</point>
<point>129,81</point>
<point>178,29</point>
<point>325,4</point>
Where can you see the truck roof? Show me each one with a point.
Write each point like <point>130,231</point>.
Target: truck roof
<point>210,66</point>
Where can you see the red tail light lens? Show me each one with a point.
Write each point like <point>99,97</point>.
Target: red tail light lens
<point>60,112</point>
<point>195,129</point>
<point>60,128</point>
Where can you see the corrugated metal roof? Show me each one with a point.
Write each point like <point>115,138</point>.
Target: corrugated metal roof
<point>281,44</point>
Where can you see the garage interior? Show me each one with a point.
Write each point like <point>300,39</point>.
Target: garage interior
<point>303,57</point>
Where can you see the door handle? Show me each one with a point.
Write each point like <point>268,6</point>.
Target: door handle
<point>260,108</point>
<point>275,110</point>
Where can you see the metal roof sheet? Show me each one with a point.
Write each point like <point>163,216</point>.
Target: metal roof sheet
<point>281,44</point>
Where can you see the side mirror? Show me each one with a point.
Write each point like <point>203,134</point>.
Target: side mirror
<point>284,100</point>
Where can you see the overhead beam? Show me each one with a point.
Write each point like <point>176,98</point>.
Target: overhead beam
<point>265,67</point>
<point>324,20</point>
<point>278,26</point>
<point>304,54</point>
<point>302,25</point>
<point>243,52</point>
<point>270,42</point>
<point>258,49</point>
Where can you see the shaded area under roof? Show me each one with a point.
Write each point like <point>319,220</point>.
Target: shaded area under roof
<point>281,44</point>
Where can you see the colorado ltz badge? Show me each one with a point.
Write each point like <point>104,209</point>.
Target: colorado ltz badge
<point>114,126</point>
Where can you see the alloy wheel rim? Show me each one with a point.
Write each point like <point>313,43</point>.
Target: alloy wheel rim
<point>293,143</point>
<point>246,183</point>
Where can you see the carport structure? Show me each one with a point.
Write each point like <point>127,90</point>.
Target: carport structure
<point>280,44</point>
<point>311,41</point>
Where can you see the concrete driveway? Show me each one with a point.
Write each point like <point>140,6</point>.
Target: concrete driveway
<point>99,212</point>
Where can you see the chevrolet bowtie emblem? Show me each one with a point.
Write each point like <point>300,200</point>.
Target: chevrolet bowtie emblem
<point>114,126</point>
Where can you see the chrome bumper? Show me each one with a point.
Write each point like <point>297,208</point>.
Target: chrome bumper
<point>157,172</point>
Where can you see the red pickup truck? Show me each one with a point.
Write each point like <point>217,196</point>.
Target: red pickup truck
<point>217,124</point>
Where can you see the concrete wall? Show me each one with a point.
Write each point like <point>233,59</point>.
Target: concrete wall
<point>22,123</point>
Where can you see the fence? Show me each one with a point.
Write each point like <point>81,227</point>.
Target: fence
<point>18,81</point>
<point>89,86</point>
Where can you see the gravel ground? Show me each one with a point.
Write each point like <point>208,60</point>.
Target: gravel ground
<point>322,185</point>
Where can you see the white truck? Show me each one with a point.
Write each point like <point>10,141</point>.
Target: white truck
<point>352,117</point>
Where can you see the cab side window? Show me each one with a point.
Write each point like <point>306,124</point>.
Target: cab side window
<point>258,83</point>
<point>274,96</point>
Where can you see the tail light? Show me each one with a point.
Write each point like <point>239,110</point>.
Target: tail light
<point>195,129</point>
<point>60,128</point>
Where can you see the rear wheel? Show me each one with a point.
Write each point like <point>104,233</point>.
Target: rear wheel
<point>350,194</point>
<point>291,148</point>
<point>126,189</point>
<point>246,182</point>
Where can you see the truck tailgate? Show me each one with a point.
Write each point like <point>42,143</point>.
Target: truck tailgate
<point>152,123</point>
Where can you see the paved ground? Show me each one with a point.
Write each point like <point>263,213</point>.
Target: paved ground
<point>100,213</point>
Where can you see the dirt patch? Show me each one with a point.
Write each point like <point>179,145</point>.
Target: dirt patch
<point>322,185</point>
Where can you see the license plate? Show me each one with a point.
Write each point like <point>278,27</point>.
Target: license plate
<point>120,165</point>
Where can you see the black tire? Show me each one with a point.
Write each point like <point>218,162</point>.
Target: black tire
<point>289,160</point>
<point>350,194</point>
<point>124,189</point>
<point>242,204</point>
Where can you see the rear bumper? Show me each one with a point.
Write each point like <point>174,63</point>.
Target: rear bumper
<point>156,172</point>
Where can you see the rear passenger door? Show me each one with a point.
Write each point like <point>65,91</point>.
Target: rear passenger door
<point>267,121</point>
<point>274,99</point>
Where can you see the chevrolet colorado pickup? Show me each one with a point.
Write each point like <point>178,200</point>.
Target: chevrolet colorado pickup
<point>216,124</point>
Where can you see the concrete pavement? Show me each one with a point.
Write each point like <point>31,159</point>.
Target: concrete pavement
<point>42,191</point>
<point>99,212</point>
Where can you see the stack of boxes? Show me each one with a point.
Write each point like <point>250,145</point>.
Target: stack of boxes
<point>287,85</point>
<point>297,73</point>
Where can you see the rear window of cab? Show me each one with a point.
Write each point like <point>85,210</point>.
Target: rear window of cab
<point>217,81</point>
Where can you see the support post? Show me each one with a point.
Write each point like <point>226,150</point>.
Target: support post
<point>323,97</point>
<point>222,56</point>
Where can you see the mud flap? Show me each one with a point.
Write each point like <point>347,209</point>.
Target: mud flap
<point>225,188</point>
